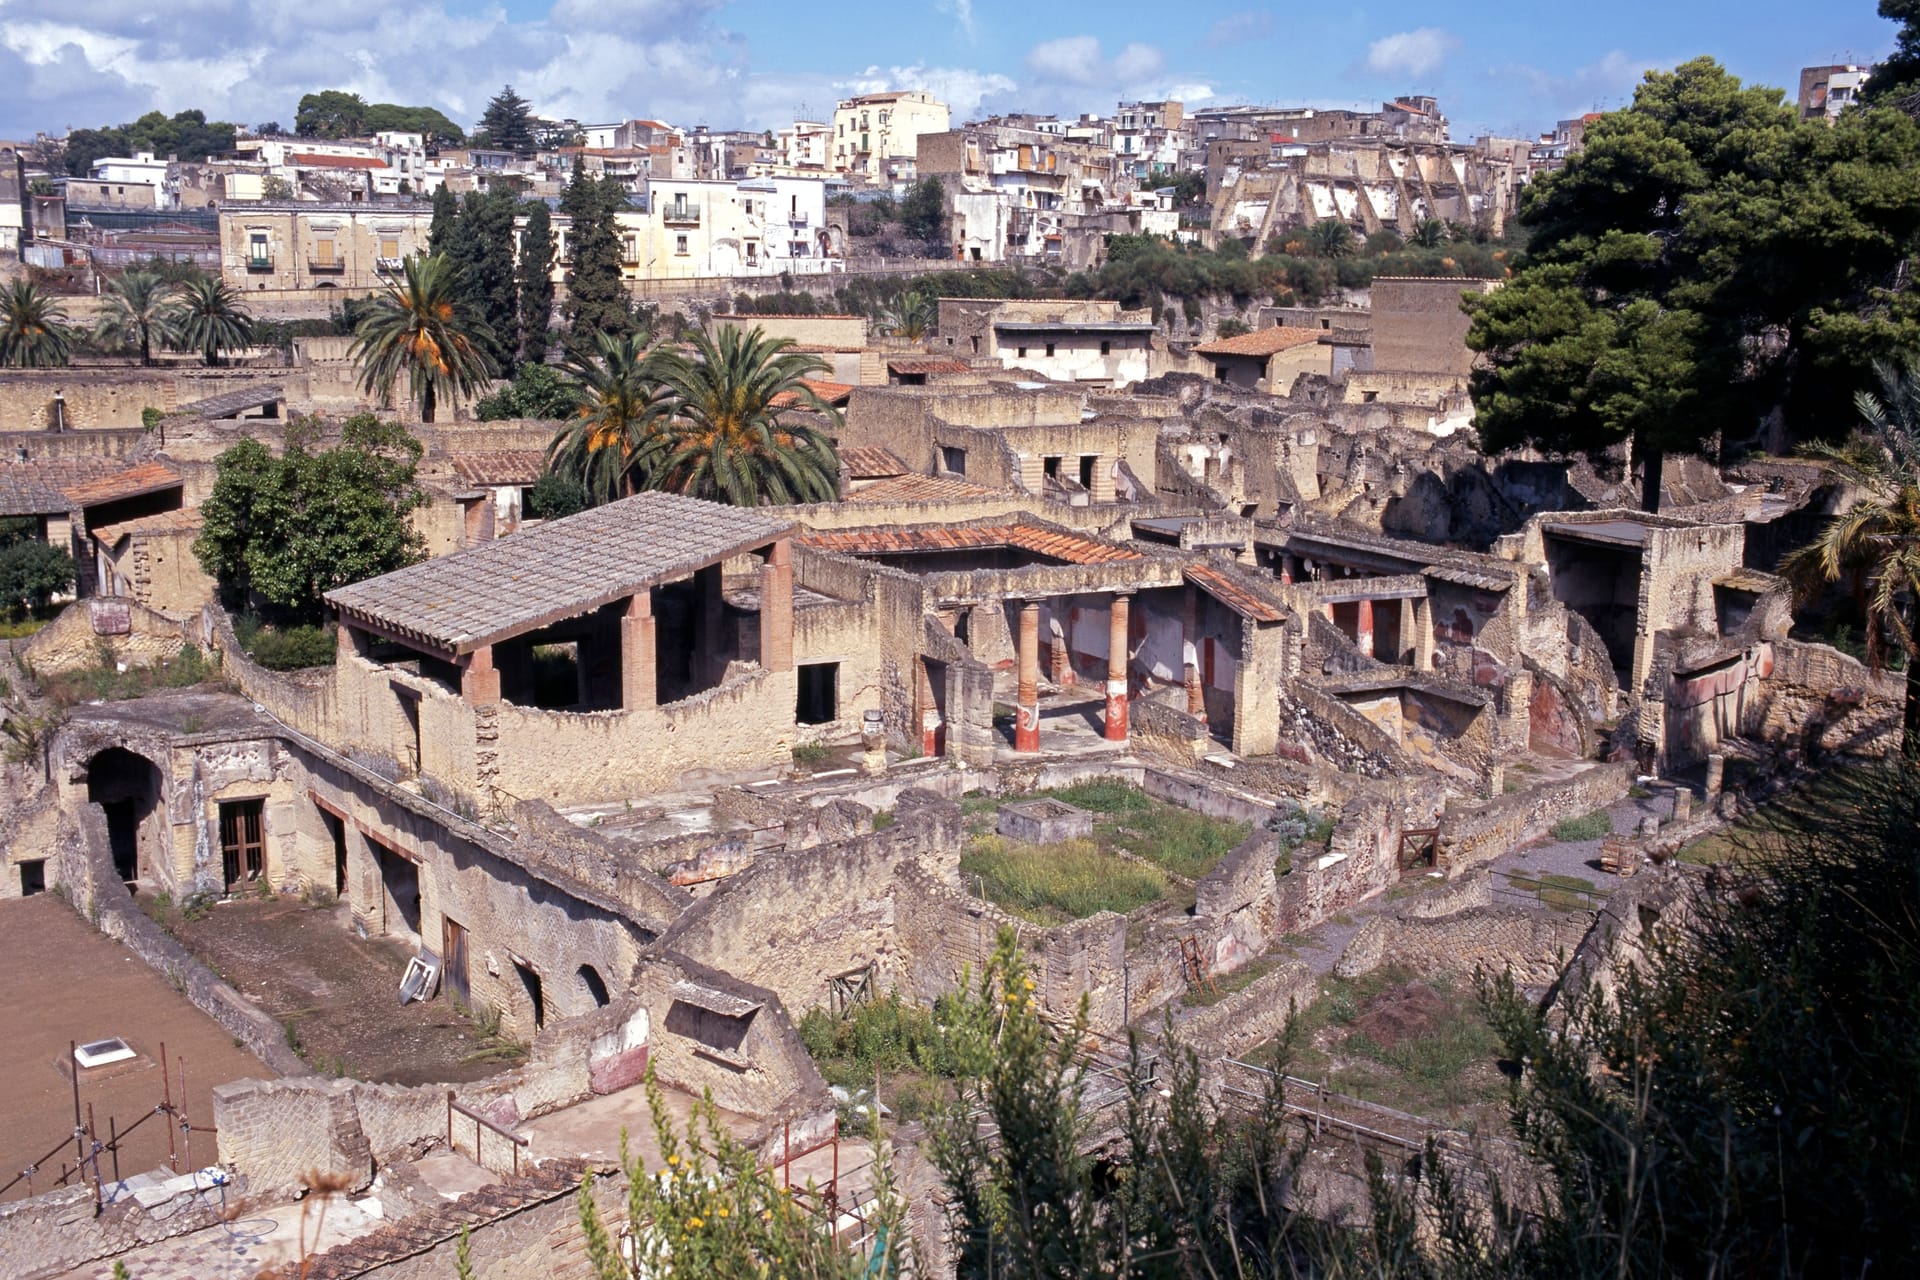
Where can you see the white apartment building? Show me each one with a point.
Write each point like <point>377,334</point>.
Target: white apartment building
<point>873,133</point>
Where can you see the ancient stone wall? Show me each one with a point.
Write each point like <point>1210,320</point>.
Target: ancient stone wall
<point>114,397</point>
<point>58,1231</point>
<point>1474,834</point>
<point>1252,1016</point>
<point>125,629</point>
<point>1532,945</point>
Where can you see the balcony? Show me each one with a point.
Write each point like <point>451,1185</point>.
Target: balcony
<point>331,267</point>
<point>258,262</point>
<point>798,218</point>
<point>389,266</point>
<point>679,215</point>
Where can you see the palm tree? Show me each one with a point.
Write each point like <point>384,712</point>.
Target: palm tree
<point>1875,544</point>
<point>621,398</point>
<point>1430,233</point>
<point>137,313</point>
<point>1331,238</point>
<point>911,316</point>
<point>33,328</point>
<point>725,439</point>
<point>209,317</point>
<point>423,331</point>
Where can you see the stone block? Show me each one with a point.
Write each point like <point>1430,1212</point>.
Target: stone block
<point>1044,821</point>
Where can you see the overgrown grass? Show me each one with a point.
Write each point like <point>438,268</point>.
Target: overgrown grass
<point>289,648</point>
<point>909,1050</point>
<point>1232,983</point>
<point>1591,826</point>
<point>104,681</point>
<point>1184,842</point>
<point>1786,818</point>
<point>811,755</point>
<point>21,629</point>
<point>1056,883</point>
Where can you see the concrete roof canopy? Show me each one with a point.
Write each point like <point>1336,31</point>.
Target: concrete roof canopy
<point>461,602</point>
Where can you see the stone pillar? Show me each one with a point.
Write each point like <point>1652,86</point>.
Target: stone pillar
<point>639,688</point>
<point>1682,806</point>
<point>477,516</point>
<point>776,608</point>
<point>1363,627</point>
<point>1059,667</point>
<point>1026,711</point>
<point>873,743</point>
<point>1406,649</point>
<point>479,682</point>
<point>1116,719</point>
<point>714,651</point>
<point>1423,634</point>
<point>345,646</point>
<point>1190,654</point>
<point>1517,708</point>
<point>1496,780</point>
<point>1716,777</point>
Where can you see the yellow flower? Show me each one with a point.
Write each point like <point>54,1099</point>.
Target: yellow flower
<point>673,1159</point>
<point>1028,983</point>
<point>723,1211</point>
<point>694,1224</point>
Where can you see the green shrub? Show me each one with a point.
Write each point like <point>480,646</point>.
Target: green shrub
<point>1590,827</point>
<point>1066,881</point>
<point>288,648</point>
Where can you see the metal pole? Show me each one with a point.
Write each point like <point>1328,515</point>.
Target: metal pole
<point>113,1145</point>
<point>166,1104</point>
<point>73,1073</point>
<point>186,1129</point>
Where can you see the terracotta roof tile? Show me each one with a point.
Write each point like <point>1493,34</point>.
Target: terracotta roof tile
<point>905,488</point>
<point>1041,539</point>
<point>147,477</point>
<point>1261,342</point>
<point>1236,596</point>
<point>500,466</point>
<point>914,365</point>
<point>865,462</point>
<point>834,393</point>
<point>40,487</point>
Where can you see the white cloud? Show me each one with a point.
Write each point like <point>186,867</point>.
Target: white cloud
<point>1602,85</point>
<point>1411,53</point>
<point>1137,62</point>
<point>1074,73</point>
<point>962,11</point>
<point>1074,59</point>
<point>964,90</point>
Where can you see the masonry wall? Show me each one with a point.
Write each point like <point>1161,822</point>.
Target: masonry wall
<point>113,397</point>
<point>1472,835</point>
<point>871,629</point>
<point>51,1234</point>
<point>1418,326</point>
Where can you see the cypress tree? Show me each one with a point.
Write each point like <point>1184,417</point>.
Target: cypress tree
<point>535,276</point>
<point>446,212</point>
<point>596,298</point>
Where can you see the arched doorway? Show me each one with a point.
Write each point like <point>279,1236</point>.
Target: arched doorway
<point>596,986</point>
<point>127,787</point>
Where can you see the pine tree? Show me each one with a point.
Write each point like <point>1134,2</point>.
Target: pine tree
<point>446,212</point>
<point>508,121</point>
<point>535,276</point>
<point>480,244</point>
<point>596,298</point>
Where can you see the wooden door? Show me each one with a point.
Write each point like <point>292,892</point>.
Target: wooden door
<point>242,845</point>
<point>453,958</point>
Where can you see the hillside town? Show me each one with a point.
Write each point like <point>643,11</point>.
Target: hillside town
<point>1202,689</point>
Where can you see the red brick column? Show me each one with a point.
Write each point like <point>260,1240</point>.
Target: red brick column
<point>1363,627</point>
<point>1117,669</point>
<point>1026,711</point>
<point>776,608</point>
<point>1060,670</point>
<point>639,688</point>
<point>930,720</point>
<point>479,681</point>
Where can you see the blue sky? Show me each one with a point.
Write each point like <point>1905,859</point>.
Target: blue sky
<point>1502,68</point>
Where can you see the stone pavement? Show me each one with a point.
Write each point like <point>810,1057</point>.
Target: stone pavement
<point>243,1247</point>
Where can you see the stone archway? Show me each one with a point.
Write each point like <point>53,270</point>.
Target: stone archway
<point>127,786</point>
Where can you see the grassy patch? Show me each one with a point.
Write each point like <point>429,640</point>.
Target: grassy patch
<point>1184,842</point>
<point>1787,818</point>
<point>908,1051</point>
<point>20,630</point>
<point>1056,883</point>
<point>1239,980</point>
<point>104,681</point>
<point>882,820</point>
<point>811,755</point>
<point>1592,826</point>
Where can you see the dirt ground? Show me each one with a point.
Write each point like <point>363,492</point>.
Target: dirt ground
<point>72,983</point>
<point>339,993</point>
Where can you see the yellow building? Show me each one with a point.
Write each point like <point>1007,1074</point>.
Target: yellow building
<point>873,132</point>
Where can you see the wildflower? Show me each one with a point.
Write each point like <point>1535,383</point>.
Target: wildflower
<point>722,1212</point>
<point>1028,983</point>
<point>673,1159</point>
<point>695,1223</point>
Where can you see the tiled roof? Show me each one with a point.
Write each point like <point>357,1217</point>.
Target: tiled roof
<point>1041,539</point>
<point>832,393</point>
<point>926,365</point>
<point>184,520</point>
<point>1236,596</point>
<point>460,602</point>
<point>148,477</point>
<point>500,466</point>
<point>774,315</point>
<point>238,400</point>
<point>1261,342</point>
<point>919,489</point>
<point>306,159</point>
<point>40,487</point>
<point>864,462</point>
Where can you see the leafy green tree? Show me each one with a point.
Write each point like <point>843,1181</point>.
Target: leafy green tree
<point>554,496</point>
<point>911,316</point>
<point>33,328</point>
<point>1707,260</point>
<point>187,134</point>
<point>31,574</point>
<point>330,113</point>
<point>534,275</point>
<point>621,398</point>
<point>923,214</point>
<point>1429,233</point>
<point>289,529</point>
<point>596,297</point>
<point>537,391</point>
<point>508,121</point>
<point>422,331</point>
<point>209,317</point>
<point>480,248</point>
<point>385,117</point>
<point>1898,75</point>
<point>138,313</point>
<point>725,439</point>
<point>1874,546</point>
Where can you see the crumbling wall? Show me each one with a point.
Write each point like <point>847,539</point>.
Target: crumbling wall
<point>113,627</point>
<point>1253,1016</point>
<point>1532,945</point>
<point>1474,834</point>
<point>1827,703</point>
<point>59,1231</point>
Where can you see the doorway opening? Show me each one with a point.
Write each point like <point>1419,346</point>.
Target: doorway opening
<point>819,698</point>
<point>242,843</point>
<point>337,831</point>
<point>531,981</point>
<point>127,787</point>
<point>596,986</point>
<point>453,959</point>
<point>399,892</point>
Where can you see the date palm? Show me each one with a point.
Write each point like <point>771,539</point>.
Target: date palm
<point>1430,233</point>
<point>139,312</point>
<point>1331,238</point>
<point>1874,545</point>
<point>620,400</point>
<point>208,317</point>
<point>33,328</point>
<point>911,316</point>
<point>423,333</point>
<point>725,439</point>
